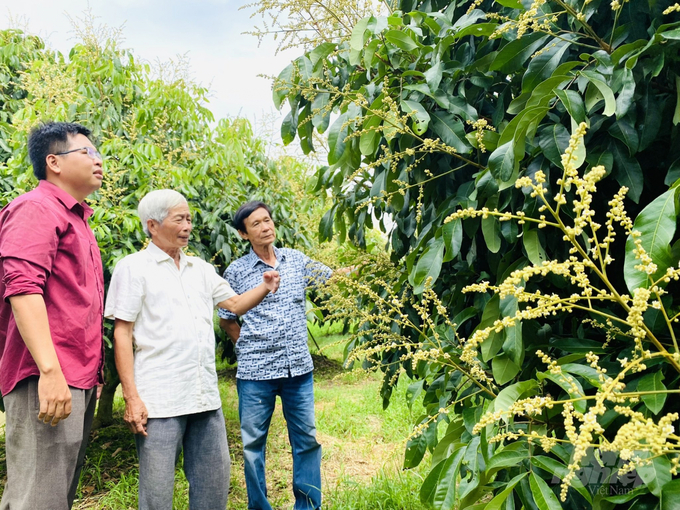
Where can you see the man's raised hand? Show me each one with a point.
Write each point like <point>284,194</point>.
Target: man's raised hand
<point>271,280</point>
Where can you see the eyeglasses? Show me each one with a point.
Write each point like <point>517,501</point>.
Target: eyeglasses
<point>91,151</point>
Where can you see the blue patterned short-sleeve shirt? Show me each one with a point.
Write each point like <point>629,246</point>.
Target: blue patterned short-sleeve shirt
<point>273,340</point>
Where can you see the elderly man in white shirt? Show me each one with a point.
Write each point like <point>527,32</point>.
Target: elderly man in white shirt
<point>162,301</point>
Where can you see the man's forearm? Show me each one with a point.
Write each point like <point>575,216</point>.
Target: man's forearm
<point>30,314</point>
<point>241,303</point>
<point>231,328</point>
<point>124,357</point>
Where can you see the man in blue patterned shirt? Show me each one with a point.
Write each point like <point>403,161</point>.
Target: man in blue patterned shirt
<point>273,358</point>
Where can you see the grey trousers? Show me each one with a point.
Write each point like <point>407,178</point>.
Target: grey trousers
<point>203,439</point>
<point>44,462</point>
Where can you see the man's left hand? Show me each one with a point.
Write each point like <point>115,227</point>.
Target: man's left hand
<point>271,280</point>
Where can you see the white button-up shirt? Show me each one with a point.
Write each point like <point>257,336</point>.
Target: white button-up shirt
<point>174,339</point>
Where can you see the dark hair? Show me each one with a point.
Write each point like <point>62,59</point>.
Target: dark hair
<point>49,138</point>
<point>246,210</point>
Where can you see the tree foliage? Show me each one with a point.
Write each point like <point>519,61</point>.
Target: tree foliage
<point>153,133</point>
<point>492,143</point>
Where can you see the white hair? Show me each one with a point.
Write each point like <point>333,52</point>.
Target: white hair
<point>156,205</point>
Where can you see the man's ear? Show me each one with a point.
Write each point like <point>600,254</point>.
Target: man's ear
<point>244,235</point>
<point>52,164</point>
<point>151,226</point>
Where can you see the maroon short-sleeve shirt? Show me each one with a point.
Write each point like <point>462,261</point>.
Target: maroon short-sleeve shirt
<point>47,247</point>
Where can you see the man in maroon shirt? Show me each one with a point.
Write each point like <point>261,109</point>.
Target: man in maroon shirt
<point>52,287</point>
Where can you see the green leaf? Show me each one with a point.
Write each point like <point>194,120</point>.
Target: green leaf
<point>625,97</point>
<point>540,95</point>
<point>462,108</point>
<point>626,50</point>
<point>429,265</point>
<point>559,470</point>
<point>514,54</point>
<point>627,170</point>
<point>288,128</point>
<point>532,245</point>
<point>421,119</point>
<point>321,113</point>
<point>508,396</point>
<point>649,118</point>
<point>620,499</point>
<point>379,182</point>
<point>542,66</point>
<point>566,385</point>
<point>358,38</point>
<point>656,224</point>
<point>513,4</point>
<point>603,88</point>
<point>493,343</point>
<point>625,131</point>
<point>326,225</point>
<point>655,474</point>
<point>513,345</point>
<point>554,140</point>
<point>587,372</point>
<point>653,382</point>
<point>433,76</point>
<point>504,369</point>
<point>673,173</point>
<point>497,502</point>
<point>502,161</point>
<point>464,316</point>
<point>369,52</point>
<point>401,40</point>
<point>452,233</point>
<point>439,487</point>
<point>573,103</point>
<point>516,130</point>
<point>478,30</point>
<point>491,229</point>
<point>506,459</point>
<point>336,139</point>
<point>543,496</point>
<point>578,345</point>
<point>676,114</point>
<point>450,130</point>
<point>322,51</point>
<point>670,495</point>
<point>282,86</point>
<point>605,159</point>
<point>370,136</point>
<point>672,34</point>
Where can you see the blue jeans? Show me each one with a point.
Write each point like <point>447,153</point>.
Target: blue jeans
<point>256,401</point>
<point>203,437</point>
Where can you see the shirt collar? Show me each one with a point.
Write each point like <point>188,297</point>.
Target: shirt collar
<point>80,208</point>
<point>254,259</point>
<point>160,256</point>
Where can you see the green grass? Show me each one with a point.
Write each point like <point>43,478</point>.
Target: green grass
<point>362,444</point>
<point>386,491</point>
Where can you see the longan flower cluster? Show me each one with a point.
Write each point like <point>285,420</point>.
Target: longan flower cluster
<point>641,434</point>
<point>526,407</point>
<point>533,19</point>
<point>673,8</point>
<point>636,317</point>
<point>646,264</point>
<point>479,126</point>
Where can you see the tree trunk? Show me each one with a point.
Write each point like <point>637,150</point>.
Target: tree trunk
<point>104,416</point>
